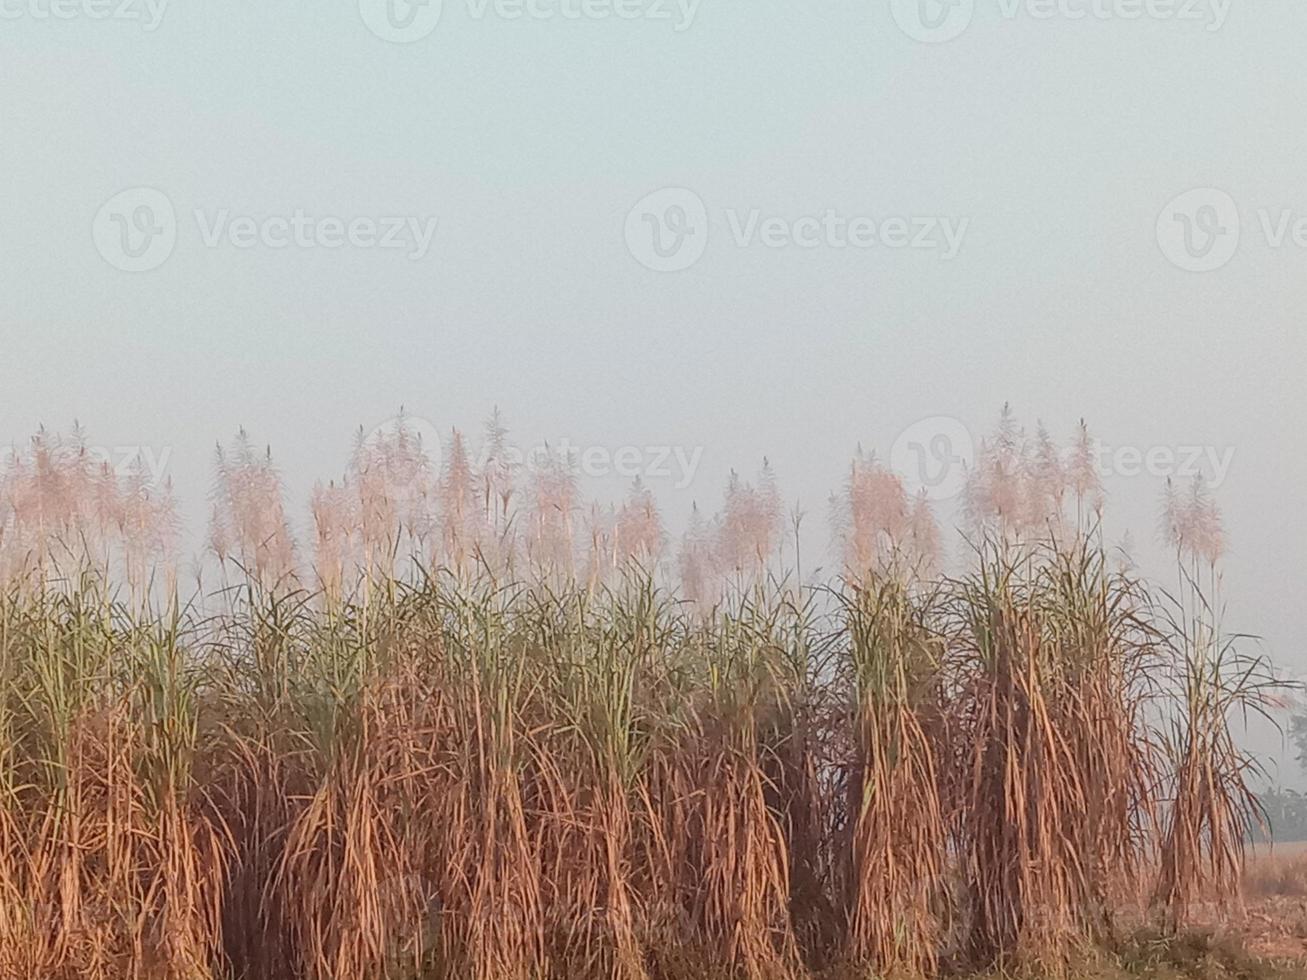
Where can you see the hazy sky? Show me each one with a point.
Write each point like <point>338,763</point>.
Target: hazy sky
<point>880,213</point>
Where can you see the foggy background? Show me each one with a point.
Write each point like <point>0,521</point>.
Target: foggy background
<point>1123,180</point>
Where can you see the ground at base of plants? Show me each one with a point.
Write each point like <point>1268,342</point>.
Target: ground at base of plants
<point>1236,953</point>
<point>1197,955</point>
<point>1239,951</point>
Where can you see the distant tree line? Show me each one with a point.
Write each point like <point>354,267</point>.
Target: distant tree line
<point>1286,815</point>
<point>1286,809</point>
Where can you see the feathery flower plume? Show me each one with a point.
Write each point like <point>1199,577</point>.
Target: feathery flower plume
<point>1192,524</point>
<point>460,513</point>
<point>1046,483</point>
<point>1019,487</point>
<point>749,528</point>
<point>1208,527</point>
<point>249,523</point>
<point>600,530</point>
<point>875,523</point>
<point>639,528</point>
<point>1204,531</point>
<point>497,473</point>
<point>1170,519</point>
<point>554,502</point>
<point>335,533</point>
<point>871,518</point>
<point>1082,472</point>
<point>392,476</point>
<point>923,535</point>
<point>995,495</point>
<point>57,501</point>
<point>106,503</point>
<point>697,561</point>
<point>150,528</point>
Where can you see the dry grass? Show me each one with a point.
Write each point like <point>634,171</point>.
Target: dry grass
<point>1279,870</point>
<point>473,742</point>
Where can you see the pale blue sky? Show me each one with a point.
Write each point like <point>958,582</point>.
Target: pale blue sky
<point>1058,140</point>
